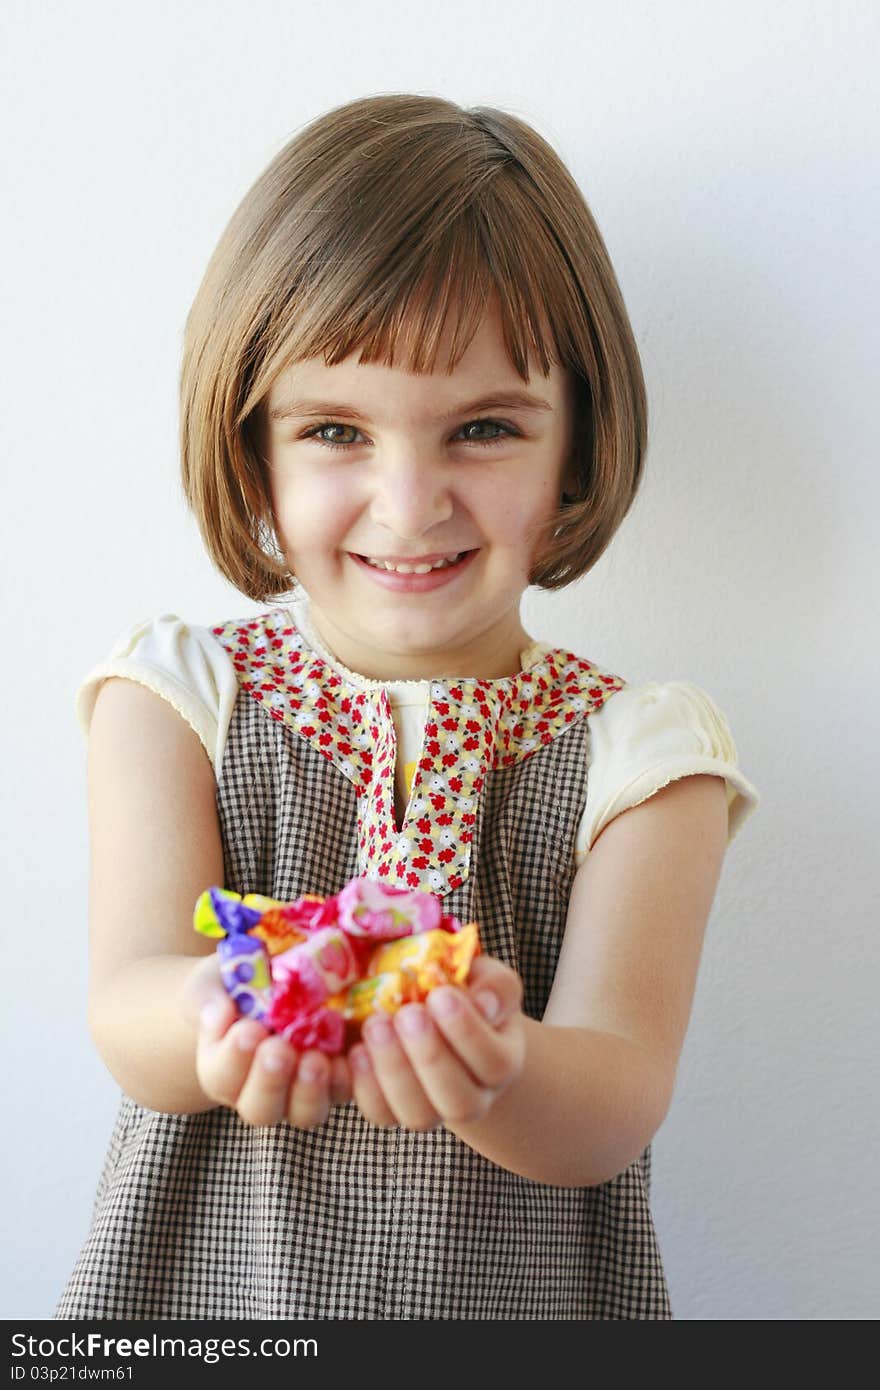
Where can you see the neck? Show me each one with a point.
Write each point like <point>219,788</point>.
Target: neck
<point>488,656</point>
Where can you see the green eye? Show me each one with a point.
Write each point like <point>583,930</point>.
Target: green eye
<point>505,432</point>
<point>493,424</point>
<point>332,443</point>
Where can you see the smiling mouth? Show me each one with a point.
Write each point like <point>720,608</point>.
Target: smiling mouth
<point>404,567</point>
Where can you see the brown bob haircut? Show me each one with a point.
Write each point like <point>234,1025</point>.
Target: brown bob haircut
<point>368,226</point>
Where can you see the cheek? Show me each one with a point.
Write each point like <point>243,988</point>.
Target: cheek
<point>513,514</point>
<point>310,515</point>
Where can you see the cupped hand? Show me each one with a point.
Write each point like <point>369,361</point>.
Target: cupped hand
<point>445,1061</point>
<point>254,1072</point>
<point>426,1066</point>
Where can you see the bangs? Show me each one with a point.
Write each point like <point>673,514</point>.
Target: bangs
<point>392,306</point>
<point>459,277</point>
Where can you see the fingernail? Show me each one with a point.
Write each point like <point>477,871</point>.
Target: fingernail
<point>273,1062</point>
<point>413,1021</point>
<point>446,1003</point>
<point>378,1030</point>
<point>488,1004</point>
<point>211,1015</point>
<point>310,1069</point>
<point>360,1060</point>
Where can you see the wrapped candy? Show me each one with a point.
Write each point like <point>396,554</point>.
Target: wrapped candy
<point>315,969</point>
<point>404,972</point>
<point>430,958</point>
<point>388,991</point>
<point>244,961</point>
<point>382,912</point>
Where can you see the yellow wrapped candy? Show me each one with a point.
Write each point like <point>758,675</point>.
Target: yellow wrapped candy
<point>389,991</point>
<point>429,959</point>
<point>404,972</point>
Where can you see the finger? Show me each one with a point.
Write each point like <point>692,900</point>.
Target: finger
<point>398,1082</point>
<point>202,986</point>
<point>480,1047</point>
<point>309,1103</point>
<point>340,1081</point>
<point>222,1063</point>
<point>495,989</point>
<point>263,1097</point>
<point>448,1084</point>
<point>366,1091</point>
<point>216,1016</point>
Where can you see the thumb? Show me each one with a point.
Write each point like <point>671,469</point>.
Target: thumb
<point>495,989</point>
<point>203,989</point>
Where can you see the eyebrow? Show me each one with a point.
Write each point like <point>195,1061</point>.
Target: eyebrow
<point>495,400</point>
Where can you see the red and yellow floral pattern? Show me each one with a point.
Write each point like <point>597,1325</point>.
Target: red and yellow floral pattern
<point>473,725</point>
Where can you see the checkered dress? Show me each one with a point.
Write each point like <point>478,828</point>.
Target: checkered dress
<point>203,1216</point>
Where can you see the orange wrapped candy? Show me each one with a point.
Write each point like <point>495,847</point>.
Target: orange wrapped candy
<point>404,972</point>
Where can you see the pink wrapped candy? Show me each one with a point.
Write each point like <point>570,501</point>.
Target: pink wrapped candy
<point>383,913</point>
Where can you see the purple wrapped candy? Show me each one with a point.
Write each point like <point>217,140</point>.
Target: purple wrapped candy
<point>244,960</point>
<point>232,915</point>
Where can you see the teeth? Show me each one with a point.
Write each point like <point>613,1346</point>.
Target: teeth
<point>413,569</point>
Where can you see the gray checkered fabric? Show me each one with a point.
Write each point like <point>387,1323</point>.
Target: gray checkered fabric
<point>202,1216</point>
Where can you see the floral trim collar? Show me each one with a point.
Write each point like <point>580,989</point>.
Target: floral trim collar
<point>473,725</point>
<point>300,616</point>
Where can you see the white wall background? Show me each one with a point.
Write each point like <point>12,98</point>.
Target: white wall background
<point>730,153</point>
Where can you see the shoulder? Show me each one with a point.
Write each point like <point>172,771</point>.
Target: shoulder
<point>183,663</point>
<point>646,736</point>
<point>663,711</point>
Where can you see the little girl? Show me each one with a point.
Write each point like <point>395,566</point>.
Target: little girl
<point>409,390</point>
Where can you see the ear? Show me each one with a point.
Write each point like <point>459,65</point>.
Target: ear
<point>571,483</point>
<point>580,440</point>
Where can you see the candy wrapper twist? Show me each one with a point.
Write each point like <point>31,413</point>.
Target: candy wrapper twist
<point>313,970</point>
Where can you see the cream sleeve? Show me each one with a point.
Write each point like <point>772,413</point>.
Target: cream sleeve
<point>645,737</point>
<point>184,664</point>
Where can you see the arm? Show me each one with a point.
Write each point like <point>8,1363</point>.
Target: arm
<point>594,1079</point>
<point>600,1068</point>
<point>154,847</point>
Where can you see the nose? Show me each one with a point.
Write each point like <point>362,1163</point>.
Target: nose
<point>410,495</point>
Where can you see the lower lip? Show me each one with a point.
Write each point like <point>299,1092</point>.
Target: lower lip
<point>416,583</point>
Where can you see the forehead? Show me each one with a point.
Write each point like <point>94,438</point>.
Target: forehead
<point>483,368</point>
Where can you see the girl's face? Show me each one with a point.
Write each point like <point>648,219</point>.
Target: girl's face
<point>374,463</point>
